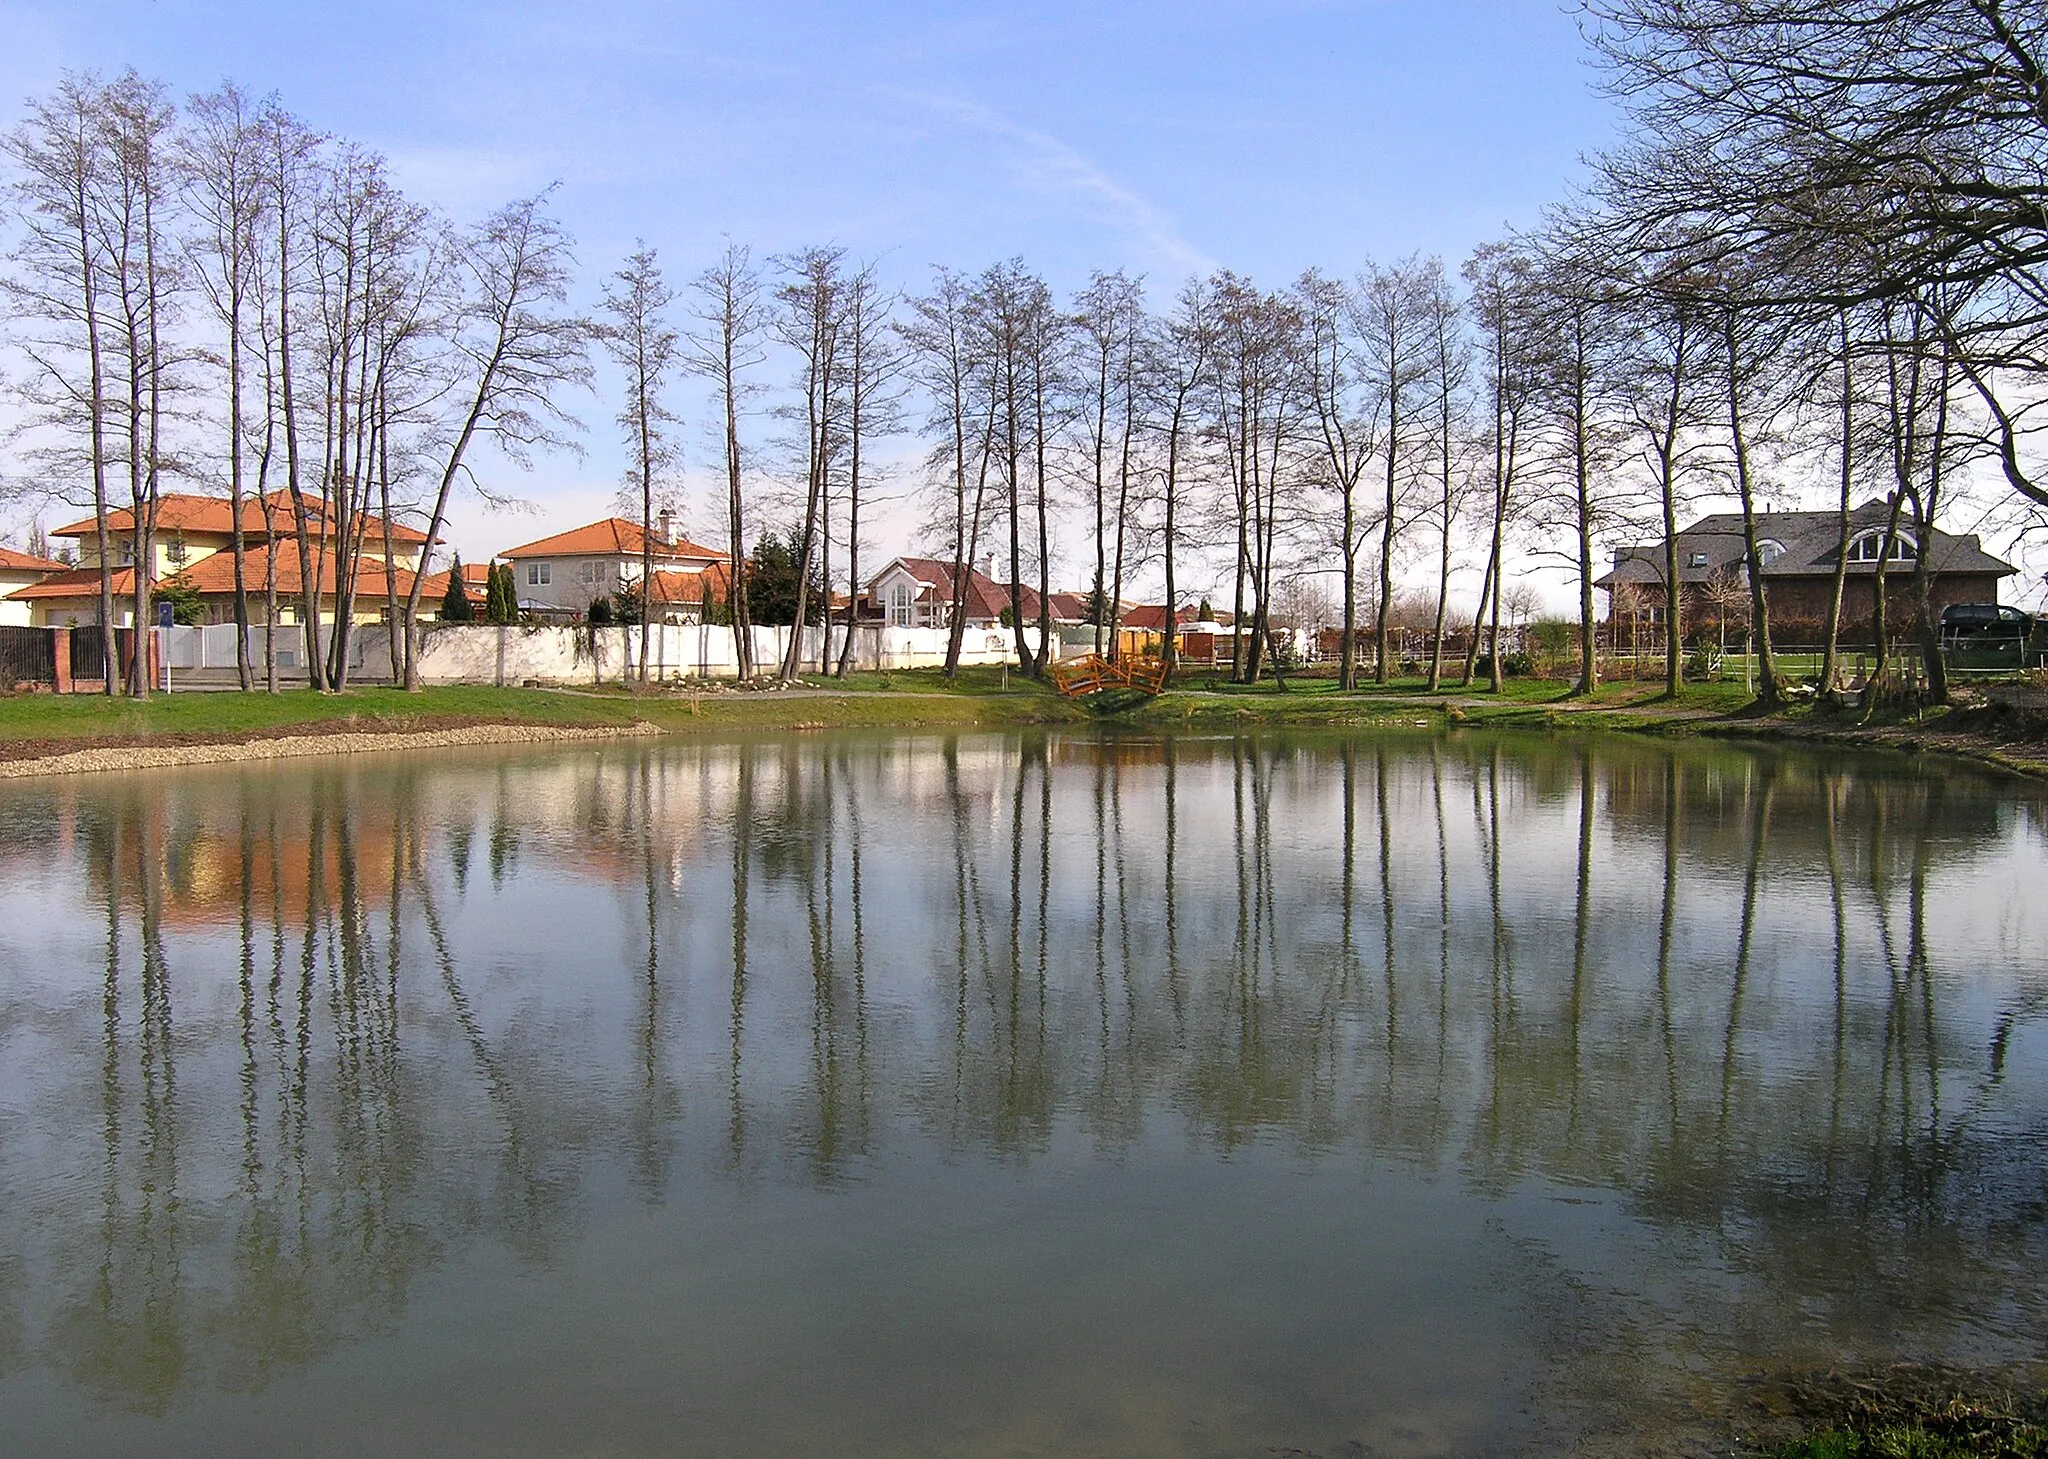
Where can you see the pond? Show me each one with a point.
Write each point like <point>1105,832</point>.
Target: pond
<point>999,1094</point>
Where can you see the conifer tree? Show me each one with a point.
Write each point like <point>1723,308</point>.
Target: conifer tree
<point>455,604</point>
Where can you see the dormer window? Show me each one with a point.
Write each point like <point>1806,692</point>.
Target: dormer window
<point>1870,545</point>
<point>1769,551</point>
<point>1697,559</point>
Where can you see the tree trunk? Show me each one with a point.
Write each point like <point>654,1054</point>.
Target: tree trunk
<point>1830,666</point>
<point>1759,601</point>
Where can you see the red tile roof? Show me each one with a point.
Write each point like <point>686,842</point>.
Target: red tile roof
<point>183,512</point>
<point>690,589</point>
<point>612,537</point>
<point>475,584</point>
<point>78,582</point>
<point>12,561</point>
<point>986,598</point>
<point>215,576</point>
<point>1152,617</point>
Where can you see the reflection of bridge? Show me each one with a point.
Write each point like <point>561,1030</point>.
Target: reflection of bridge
<point>1093,674</point>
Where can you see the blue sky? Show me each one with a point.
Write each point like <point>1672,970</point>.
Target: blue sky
<point>1160,137</point>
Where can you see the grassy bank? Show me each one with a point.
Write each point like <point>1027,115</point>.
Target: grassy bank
<point>40,724</point>
<point>1906,1412</point>
<point>36,725</point>
<point>1525,703</point>
<point>2012,739</point>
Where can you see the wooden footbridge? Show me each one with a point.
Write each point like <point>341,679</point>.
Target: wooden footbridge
<point>1095,679</point>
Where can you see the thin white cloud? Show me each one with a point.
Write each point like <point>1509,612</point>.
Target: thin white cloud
<point>1054,167</point>
<point>466,181</point>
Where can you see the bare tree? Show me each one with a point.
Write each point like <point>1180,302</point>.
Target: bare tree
<point>812,322</point>
<point>58,285</point>
<point>954,373</point>
<point>1665,356</point>
<point>377,282</point>
<point>144,283</point>
<point>1873,149</point>
<point>1751,345</point>
<point>874,366</point>
<point>1447,367</point>
<point>727,343</point>
<point>1343,424</point>
<point>1257,404</point>
<point>1016,331</point>
<point>645,346</point>
<point>221,171</point>
<point>290,155</point>
<point>1845,440</point>
<point>516,351</point>
<point>1393,325</point>
<point>1108,323</point>
<point>1576,369</point>
<point>1178,377</point>
<point>1502,290</point>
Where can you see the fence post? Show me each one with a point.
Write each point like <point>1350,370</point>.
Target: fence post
<point>60,660</point>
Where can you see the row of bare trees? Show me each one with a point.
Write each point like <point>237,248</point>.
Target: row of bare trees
<point>1817,257</point>
<point>218,295</point>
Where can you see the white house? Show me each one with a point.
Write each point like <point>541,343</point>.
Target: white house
<point>917,592</point>
<point>560,576</point>
<point>20,570</point>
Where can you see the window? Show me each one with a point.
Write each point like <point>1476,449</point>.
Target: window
<point>1867,547</point>
<point>539,574</point>
<point>902,604</point>
<point>590,573</point>
<point>1769,551</point>
<point>1697,559</point>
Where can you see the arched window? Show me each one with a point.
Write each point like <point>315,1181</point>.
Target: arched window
<point>902,598</point>
<point>1769,551</point>
<point>1869,545</point>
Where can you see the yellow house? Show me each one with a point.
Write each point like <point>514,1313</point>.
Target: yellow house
<point>194,545</point>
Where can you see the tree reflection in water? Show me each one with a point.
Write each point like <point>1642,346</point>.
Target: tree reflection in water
<point>1770,1004</point>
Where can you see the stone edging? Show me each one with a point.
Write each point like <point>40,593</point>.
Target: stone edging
<point>285,747</point>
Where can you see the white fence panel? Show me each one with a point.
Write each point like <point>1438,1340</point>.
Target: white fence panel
<point>478,653</point>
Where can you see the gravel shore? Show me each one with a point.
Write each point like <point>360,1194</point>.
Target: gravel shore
<point>284,747</point>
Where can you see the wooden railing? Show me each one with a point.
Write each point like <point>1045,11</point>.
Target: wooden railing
<point>1093,674</point>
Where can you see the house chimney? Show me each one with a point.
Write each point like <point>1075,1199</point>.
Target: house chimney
<point>665,525</point>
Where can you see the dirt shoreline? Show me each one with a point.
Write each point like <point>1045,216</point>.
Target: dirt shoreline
<point>305,742</point>
<point>2014,743</point>
<point>2017,753</point>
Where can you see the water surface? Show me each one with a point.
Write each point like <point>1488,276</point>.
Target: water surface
<point>1007,1095</point>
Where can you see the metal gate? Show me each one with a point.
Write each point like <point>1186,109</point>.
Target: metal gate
<point>88,653</point>
<point>27,656</point>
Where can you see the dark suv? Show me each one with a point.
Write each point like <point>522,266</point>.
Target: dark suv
<point>1982,622</point>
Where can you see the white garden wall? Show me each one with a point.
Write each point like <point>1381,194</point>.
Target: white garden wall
<point>476,653</point>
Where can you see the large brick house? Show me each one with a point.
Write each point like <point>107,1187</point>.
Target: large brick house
<point>1798,553</point>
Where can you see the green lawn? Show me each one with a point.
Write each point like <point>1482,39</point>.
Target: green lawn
<point>903,698</point>
<point>33,722</point>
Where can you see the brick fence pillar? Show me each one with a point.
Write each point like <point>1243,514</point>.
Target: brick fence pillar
<point>60,659</point>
